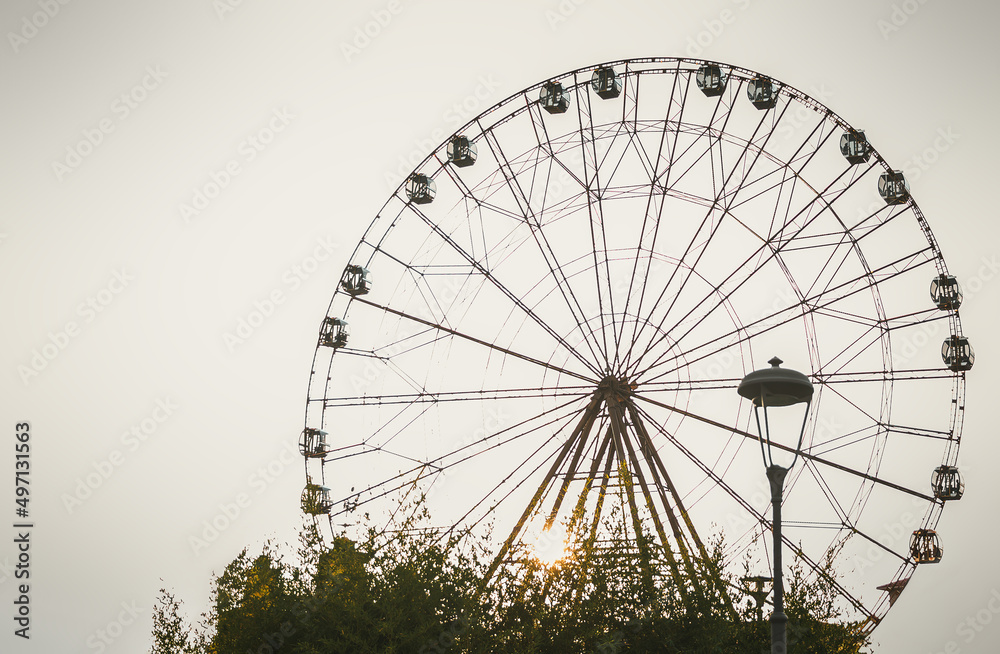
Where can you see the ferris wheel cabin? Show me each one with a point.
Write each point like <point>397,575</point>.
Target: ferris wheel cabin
<point>762,92</point>
<point>946,293</point>
<point>855,147</point>
<point>710,80</point>
<point>605,83</point>
<point>356,280</point>
<point>925,546</point>
<point>420,189</point>
<point>333,333</point>
<point>957,353</point>
<point>316,499</point>
<point>461,151</point>
<point>893,187</point>
<point>947,483</point>
<point>553,98</point>
<point>312,443</point>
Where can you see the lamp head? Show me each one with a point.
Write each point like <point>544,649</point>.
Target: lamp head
<point>776,386</point>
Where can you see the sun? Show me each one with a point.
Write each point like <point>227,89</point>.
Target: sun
<point>550,546</point>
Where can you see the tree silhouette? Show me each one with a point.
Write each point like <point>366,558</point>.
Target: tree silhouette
<point>418,591</point>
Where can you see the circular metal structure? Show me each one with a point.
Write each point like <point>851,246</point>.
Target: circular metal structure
<point>567,293</point>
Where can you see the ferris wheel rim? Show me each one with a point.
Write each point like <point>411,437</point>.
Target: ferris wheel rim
<point>935,508</point>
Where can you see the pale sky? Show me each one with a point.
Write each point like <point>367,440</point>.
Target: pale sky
<point>159,341</point>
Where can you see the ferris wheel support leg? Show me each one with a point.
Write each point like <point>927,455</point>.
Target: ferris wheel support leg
<point>588,416</point>
<point>656,465</point>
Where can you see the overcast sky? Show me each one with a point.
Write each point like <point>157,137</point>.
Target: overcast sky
<point>158,335</point>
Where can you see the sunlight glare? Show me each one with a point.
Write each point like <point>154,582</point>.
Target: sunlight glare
<point>550,545</point>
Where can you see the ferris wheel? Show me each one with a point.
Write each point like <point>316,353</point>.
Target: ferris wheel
<point>545,326</point>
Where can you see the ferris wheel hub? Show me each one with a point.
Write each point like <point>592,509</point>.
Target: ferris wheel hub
<point>615,389</point>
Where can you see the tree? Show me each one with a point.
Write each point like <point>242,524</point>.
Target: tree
<point>415,590</point>
<point>171,633</point>
<point>253,603</point>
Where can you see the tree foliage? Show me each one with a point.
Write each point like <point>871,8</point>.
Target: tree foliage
<point>421,592</point>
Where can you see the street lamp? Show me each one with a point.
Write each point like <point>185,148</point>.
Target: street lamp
<point>776,387</point>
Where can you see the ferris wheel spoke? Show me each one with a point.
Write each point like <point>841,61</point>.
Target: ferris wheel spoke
<point>508,293</point>
<point>439,464</point>
<point>880,329</point>
<point>708,471</point>
<point>661,190</point>
<point>785,448</point>
<point>545,250</point>
<point>904,558</point>
<point>847,440</point>
<point>723,208</point>
<point>748,268</point>
<point>650,166</point>
<point>869,338</point>
<point>499,210</point>
<point>851,249</point>
<point>478,341</point>
<point>656,189</point>
<point>780,318</point>
<point>655,209</point>
<point>853,318</point>
<point>850,246</point>
<point>564,421</point>
<point>511,434</point>
<point>508,436</point>
<point>882,376</point>
<point>398,416</point>
<point>474,211</point>
<point>759,517</point>
<point>853,404</point>
<point>530,216</point>
<point>922,432</point>
<point>912,318</point>
<point>696,156</point>
<point>595,214</point>
<point>916,319</point>
<point>690,385</point>
<point>488,275</point>
<point>829,495</point>
<point>456,396</point>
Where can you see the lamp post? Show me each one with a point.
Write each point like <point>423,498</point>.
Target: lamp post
<point>766,388</point>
